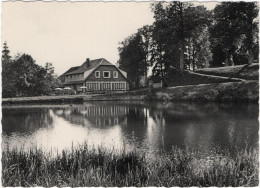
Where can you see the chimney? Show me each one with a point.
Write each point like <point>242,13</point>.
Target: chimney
<point>87,62</point>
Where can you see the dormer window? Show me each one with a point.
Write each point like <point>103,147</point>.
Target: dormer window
<point>115,74</point>
<point>106,74</point>
<point>97,74</point>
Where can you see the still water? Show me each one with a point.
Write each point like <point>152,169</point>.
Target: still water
<point>146,126</point>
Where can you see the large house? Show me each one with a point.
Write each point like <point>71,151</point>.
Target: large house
<point>97,75</point>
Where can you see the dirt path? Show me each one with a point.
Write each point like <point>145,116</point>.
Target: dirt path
<point>214,76</point>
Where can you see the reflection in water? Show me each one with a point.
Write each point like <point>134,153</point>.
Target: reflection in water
<point>148,126</point>
<point>155,130</point>
<point>96,116</point>
<point>26,120</point>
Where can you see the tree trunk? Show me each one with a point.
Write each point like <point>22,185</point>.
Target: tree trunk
<point>250,56</point>
<point>182,39</point>
<point>145,72</point>
<point>193,59</point>
<point>231,62</point>
<point>182,58</point>
<point>250,42</point>
<point>226,62</point>
<point>162,73</point>
<point>189,58</point>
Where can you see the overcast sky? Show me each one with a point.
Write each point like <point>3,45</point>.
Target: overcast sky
<point>66,33</point>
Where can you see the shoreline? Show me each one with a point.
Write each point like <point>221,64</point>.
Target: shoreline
<point>244,91</point>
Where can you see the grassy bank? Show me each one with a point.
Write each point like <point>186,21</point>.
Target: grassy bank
<point>243,91</point>
<point>246,91</point>
<point>213,75</point>
<point>43,99</point>
<point>83,167</point>
<point>248,72</point>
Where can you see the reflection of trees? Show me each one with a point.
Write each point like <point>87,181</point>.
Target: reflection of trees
<point>155,130</point>
<point>209,124</point>
<point>25,120</point>
<point>136,123</point>
<point>101,116</point>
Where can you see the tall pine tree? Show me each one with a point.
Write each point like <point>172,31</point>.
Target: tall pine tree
<point>5,54</point>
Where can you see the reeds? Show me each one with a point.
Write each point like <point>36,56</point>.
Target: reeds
<point>101,167</point>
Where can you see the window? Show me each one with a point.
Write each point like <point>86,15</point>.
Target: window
<point>97,74</point>
<point>106,74</point>
<point>115,74</point>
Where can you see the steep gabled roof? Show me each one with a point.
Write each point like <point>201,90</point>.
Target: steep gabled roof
<point>92,63</point>
<point>105,62</point>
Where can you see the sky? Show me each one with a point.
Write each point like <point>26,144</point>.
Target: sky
<point>66,33</point>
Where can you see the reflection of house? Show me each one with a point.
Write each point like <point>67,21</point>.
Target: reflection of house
<point>103,111</point>
<point>96,75</point>
<point>96,115</point>
<point>106,115</point>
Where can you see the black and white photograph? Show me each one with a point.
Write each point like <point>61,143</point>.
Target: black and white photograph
<point>130,94</point>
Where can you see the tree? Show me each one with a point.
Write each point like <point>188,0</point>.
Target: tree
<point>199,48</point>
<point>234,32</point>
<point>50,77</point>
<point>146,42</point>
<point>7,84</point>
<point>176,23</point>
<point>248,13</point>
<point>5,54</point>
<point>23,77</point>
<point>133,57</point>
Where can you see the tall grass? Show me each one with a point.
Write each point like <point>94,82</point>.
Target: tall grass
<point>100,167</point>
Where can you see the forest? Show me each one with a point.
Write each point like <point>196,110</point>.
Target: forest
<point>188,37</point>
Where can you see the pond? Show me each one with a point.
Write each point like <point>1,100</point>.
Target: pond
<point>146,126</point>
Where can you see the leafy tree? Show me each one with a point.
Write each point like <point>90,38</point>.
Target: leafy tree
<point>175,23</point>
<point>133,57</point>
<point>50,77</point>
<point>248,14</point>
<point>199,49</point>
<point>234,32</point>
<point>28,76</point>
<point>175,39</point>
<point>146,42</point>
<point>23,77</point>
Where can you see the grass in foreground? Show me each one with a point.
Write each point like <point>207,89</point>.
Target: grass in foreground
<point>100,167</point>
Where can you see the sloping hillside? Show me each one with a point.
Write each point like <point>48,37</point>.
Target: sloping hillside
<point>247,72</point>
<point>213,75</point>
<point>175,78</point>
<point>244,91</point>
